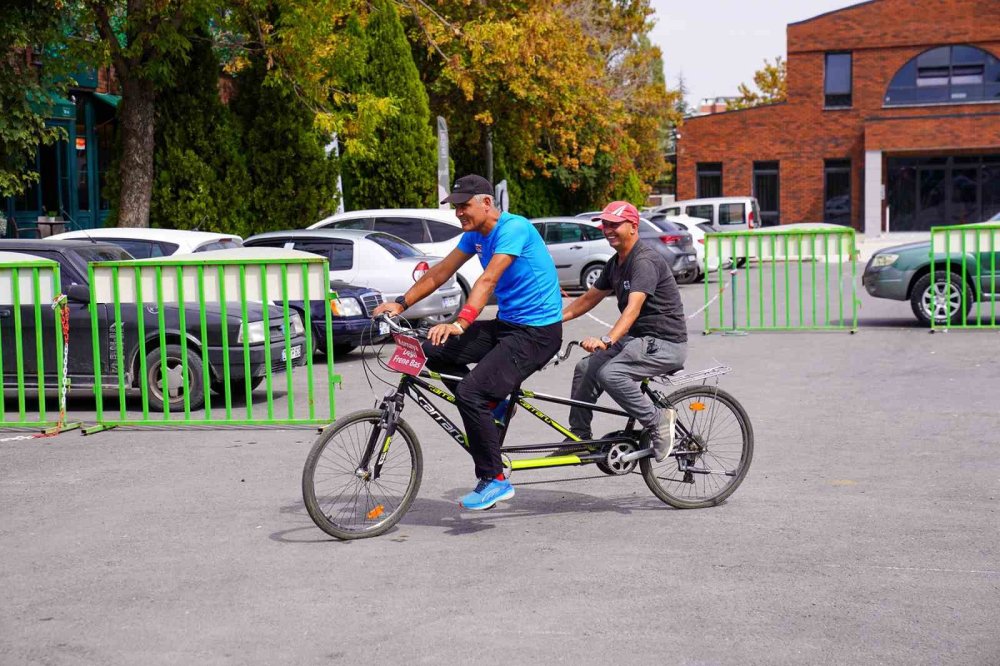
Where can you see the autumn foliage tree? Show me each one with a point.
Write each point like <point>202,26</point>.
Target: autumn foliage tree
<point>771,85</point>
<point>570,92</point>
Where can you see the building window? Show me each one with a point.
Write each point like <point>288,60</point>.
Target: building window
<point>837,192</point>
<point>709,179</point>
<point>767,191</point>
<point>946,75</point>
<point>837,82</point>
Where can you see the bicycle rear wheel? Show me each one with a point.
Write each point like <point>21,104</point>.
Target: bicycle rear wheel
<point>345,501</point>
<point>713,447</point>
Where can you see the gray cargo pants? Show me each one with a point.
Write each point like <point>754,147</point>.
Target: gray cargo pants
<point>618,371</point>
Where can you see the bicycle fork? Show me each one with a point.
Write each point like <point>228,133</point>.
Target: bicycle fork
<point>381,437</point>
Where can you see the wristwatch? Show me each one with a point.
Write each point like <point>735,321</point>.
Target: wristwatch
<point>401,300</point>
<point>606,339</point>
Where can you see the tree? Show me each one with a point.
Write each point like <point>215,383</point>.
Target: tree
<point>567,89</point>
<point>143,41</point>
<point>771,86</point>
<point>298,42</point>
<point>400,171</point>
<point>23,95</point>
<point>293,181</point>
<point>201,178</point>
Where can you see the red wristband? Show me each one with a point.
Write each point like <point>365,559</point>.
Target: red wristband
<point>468,313</point>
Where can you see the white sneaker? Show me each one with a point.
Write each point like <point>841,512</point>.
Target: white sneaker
<point>663,438</point>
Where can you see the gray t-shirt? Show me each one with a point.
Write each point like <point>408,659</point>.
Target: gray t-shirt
<point>645,270</point>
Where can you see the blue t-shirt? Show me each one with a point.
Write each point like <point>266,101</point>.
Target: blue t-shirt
<point>528,291</point>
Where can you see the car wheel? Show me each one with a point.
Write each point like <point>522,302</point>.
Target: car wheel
<point>590,274</point>
<point>172,366</point>
<point>949,298</point>
<point>687,277</point>
<point>237,387</point>
<point>343,349</point>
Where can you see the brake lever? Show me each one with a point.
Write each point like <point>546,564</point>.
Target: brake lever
<point>563,355</point>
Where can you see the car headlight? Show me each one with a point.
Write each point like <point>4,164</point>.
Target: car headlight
<point>253,333</point>
<point>881,260</point>
<point>295,321</point>
<point>346,307</point>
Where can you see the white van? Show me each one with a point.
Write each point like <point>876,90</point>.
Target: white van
<point>725,213</point>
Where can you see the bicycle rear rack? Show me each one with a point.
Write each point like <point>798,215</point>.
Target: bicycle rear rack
<point>682,377</point>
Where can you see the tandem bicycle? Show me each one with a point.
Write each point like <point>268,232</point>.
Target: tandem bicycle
<point>364,470</point>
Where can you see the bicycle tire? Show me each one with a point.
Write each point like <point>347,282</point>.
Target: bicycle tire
<point>719,434</point>
<point>344,505</point>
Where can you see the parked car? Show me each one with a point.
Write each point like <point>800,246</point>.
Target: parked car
<point>431,230</point>
<point>695,226</point>
<point>350,321</point>
<point>580,250</point>
<point>73,257</point>
<point>374,260</point>
<point>725,213</point>
<point>151,243</point>
<point>903,272</point>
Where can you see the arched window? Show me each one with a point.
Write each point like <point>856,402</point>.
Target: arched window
<point>946,75</point>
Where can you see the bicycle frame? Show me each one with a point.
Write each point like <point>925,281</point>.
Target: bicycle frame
<point>411,386</point>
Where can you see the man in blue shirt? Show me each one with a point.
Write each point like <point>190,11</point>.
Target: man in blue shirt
<point>525,335</point>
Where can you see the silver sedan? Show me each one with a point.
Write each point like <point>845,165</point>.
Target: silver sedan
<point>373,259</point>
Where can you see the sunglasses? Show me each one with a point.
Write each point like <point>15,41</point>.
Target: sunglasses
<point>613,225</point>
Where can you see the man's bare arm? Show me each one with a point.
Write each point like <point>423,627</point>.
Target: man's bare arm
<point>581,305</point>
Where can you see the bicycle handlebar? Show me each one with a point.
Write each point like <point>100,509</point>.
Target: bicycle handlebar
<point>395,327</point>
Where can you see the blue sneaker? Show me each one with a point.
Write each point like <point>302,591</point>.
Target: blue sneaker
<point>500,410</point>
<point>487,493</point>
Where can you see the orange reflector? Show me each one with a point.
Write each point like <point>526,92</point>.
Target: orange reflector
<point>697,406</point>
<point>376,512</point>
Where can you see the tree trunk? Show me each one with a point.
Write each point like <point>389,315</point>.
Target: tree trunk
<point>137,117</point>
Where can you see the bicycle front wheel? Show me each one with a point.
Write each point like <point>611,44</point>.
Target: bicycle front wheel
<point>348,502</point>
<point>713,446</point>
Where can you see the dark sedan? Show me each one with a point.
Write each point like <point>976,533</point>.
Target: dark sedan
<point>141,362</point>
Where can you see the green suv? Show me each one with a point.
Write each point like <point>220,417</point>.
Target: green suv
<point>903,273</point>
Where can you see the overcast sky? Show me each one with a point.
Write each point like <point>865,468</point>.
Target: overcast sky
<point>718,44</point>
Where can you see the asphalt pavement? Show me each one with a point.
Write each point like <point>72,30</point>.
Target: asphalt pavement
<point>867,531</point>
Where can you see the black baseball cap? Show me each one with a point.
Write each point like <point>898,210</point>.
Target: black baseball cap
<point>467,187</point>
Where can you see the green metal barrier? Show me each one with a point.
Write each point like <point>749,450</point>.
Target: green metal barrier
<point>192,337</point>
<point>964,276</point>
<point>781,279</point>
<point>33,344</point>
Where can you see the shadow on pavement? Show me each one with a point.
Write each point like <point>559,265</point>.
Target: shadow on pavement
<point>530,502</point>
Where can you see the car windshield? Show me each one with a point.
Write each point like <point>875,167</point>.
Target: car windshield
<point>394,245</point>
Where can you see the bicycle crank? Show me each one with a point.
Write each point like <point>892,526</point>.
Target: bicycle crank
<point>620,458</point>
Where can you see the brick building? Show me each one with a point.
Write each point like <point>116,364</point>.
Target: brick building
<point>892,122</point>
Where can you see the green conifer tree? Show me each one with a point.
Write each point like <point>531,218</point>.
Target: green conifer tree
<point>293,180</point>
<point>201,177</point>
<point>401,171</point>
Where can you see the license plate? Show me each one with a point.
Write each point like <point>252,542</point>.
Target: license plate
<point>449,301</point>
<point>692,258</point>
<point>296,353</point>
<point>383,328</point>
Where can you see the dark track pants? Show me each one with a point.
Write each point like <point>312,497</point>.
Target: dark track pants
<point>505,355</point>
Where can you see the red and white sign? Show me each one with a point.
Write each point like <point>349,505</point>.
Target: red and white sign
<point>408,357</point>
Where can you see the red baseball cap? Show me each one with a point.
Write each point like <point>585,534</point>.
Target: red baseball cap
<point>618,211</point>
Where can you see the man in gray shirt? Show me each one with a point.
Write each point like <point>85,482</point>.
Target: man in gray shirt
<point>649,338</point>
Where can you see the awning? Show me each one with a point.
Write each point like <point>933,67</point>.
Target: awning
<point>52,106</point>
<point>110,100</point>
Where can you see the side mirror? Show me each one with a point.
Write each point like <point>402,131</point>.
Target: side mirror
<point>78,293</point>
